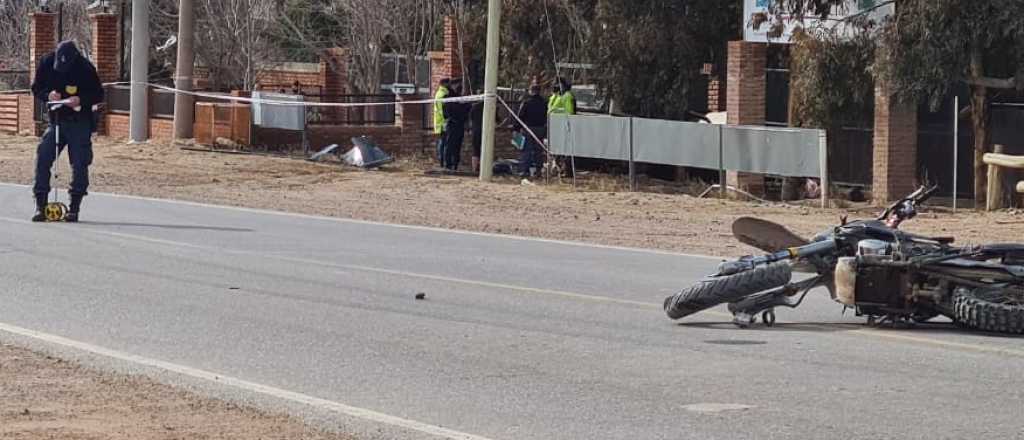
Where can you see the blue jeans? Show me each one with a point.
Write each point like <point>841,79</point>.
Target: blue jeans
<point>440,149</point>
<point>76,135</point>
<point>532,153</point>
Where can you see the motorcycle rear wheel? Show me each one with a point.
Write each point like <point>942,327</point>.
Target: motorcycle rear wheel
<point>707,294</point>
<point>992,309</point>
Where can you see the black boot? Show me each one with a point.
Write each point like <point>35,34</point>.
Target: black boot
<point>40,215</point>
<point>76,204</point>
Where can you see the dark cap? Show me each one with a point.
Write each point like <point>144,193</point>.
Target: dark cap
<point>65,56</point>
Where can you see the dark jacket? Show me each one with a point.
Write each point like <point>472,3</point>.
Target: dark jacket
<point>455,115</point>
<point>534,111</point>
<point>78,79</point>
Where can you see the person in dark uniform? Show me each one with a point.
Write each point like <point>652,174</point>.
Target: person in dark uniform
<point>66,75</point>
<point>455,116</point>
<point>534,114</point>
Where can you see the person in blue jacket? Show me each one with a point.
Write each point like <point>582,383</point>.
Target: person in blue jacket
<point>66,75</point>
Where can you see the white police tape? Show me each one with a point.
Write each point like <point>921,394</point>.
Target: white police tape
<point>262,101</point>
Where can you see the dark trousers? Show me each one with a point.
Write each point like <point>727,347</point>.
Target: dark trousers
<point>454,136</point>
<point>76,135</point>
<point>532,154</point>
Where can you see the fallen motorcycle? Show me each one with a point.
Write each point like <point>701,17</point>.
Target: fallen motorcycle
<point>883,273</point>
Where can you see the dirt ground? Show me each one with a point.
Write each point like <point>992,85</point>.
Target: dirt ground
<point>47,398</point>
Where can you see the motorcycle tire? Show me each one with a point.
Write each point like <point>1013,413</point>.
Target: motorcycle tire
<point>709,293</point>
<point>973,311</point>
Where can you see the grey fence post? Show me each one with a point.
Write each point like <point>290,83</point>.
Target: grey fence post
<point>632,164</point>
<point>823,158</point>
<point>721,161</point>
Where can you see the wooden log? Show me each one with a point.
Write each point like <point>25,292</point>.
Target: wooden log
<point>996,195</point>
<point>1005,160</point>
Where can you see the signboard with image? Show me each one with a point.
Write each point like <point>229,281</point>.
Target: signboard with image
<point>751,8</point>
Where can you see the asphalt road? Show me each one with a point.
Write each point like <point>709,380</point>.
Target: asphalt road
<point>516,339</point>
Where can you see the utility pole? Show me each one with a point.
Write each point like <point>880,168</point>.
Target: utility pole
<point>139,113</point>
<point>184,105</point>
<point>490,88</point>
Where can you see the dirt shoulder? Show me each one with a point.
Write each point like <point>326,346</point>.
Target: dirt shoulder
<point>43,397</point>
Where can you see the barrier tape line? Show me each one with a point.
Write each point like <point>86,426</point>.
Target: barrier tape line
<point>262,101</point>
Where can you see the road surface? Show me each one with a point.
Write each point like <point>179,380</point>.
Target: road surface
<point>516,339</point>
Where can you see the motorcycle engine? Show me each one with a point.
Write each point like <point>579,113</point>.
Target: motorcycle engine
<point>858,282</point>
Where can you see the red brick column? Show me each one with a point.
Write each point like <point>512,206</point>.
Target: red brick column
<point>26,116</point>
<point>745,99</point>
<point>334,71</point>
<point>106,48</point>
<point>409,116</point>
<point>42,37</point>
<point>453,53</point>
<point>895,147</point>
<point>106,53</point>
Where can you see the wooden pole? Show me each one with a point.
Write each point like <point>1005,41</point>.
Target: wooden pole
<point>996,196</point>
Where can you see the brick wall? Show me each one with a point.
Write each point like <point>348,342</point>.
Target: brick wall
<point>717,94</point>
<point>160,129</point>
<point>745,99</point>
<point>895,147</point>
<point>42,36</point>
<point>9,114</point>
<point>453,53</point>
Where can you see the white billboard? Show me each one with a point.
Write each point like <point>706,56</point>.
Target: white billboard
<point>752,8</point>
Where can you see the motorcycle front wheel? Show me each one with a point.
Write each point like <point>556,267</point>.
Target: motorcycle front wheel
<point>991,309</point>
<point>712,292</point>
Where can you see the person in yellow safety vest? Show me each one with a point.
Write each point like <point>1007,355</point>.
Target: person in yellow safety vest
<point>562,101</point>
<point>443,90</point>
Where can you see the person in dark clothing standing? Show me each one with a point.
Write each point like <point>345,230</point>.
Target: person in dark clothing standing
<point>476,120</point>
<point>534,114</point>
<point>66,75</point>
<point>455,115</point>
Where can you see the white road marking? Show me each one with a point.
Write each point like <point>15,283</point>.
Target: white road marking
<point>336,407</point>
<point>393,225</point>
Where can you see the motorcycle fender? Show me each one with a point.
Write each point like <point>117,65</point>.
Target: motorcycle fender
<point>846,281</point>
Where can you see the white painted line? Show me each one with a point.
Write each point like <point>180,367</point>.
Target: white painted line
<point>336,407</point>
<point>392,225</point>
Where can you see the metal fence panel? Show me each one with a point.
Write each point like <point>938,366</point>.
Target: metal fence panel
<point>779,151</point>
<point>676,143</point>
<point>278,116</point>
<point>599,137</point>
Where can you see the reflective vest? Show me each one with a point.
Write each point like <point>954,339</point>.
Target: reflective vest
<point>564,103</point>
<point>442,93</point>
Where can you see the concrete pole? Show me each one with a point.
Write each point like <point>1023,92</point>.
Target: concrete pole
<point>490,88</point>
<point>139,112</point>
<point>184,105</point>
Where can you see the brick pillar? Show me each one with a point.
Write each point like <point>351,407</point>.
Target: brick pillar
<point>42,37</point>
<point>106,47</point>
<point>453,54</point>
<point>745,100</point>
<point>334,71</point>
<point>895,147</point>
<point>106,53</point>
